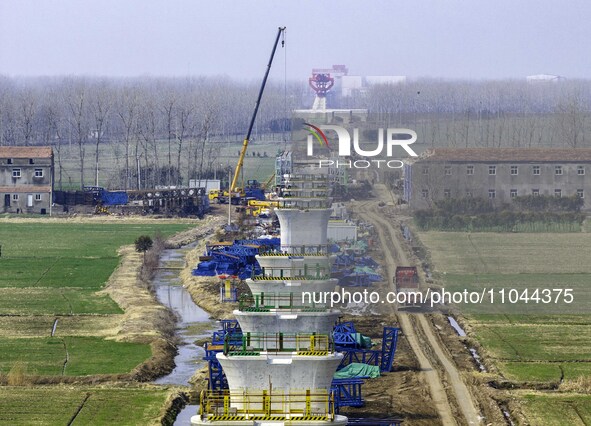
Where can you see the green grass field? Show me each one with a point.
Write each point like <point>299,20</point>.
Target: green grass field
<point>58,405</point>
<point>86,355</point>
<point>495,253</point>
<point>548,346</point>
<point>55,269</point>
<point>55,301</point>
<point>557,410</point>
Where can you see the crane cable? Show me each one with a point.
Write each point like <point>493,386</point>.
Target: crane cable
<point>284,91</point>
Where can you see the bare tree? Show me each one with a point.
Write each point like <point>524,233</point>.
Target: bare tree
<point>127,111</point>
<point>100,107</point>
<point>570,116</point>
<point>75,99</point>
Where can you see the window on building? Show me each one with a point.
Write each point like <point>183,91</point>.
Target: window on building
<point>16,173</point>
<point>447,170</point>
<point>513,193</point>
<point>558,170</point>
<point>492,193</point>
<point>447,193</point>
<point>425,193</point>
<point>492,170</point>
<point>580,170</point>
<point>15,197</point>
<point>535,170</point>
<point>37,197</point>
<point>9,161</point>
<point>468,194</point>
<point>31,161</point>
<point>38,172</point>
<point>535,192</point>
<point>469,170</point>
<point>580,193</point>
<point>558,193</point>
<point>425,170</point>
<point>514,170</point>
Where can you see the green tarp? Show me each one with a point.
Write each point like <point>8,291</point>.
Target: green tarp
<point>358,370</point>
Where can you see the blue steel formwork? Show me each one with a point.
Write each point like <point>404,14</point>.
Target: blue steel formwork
<point>389,344</point>
<point>217,378</point>
<point>383,358</point>
<point>347,392</point>
<point>343,335</point>
<point>229,326</point>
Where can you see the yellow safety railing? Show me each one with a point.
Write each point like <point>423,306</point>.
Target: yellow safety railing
<point>305,344</point>
<point>295,405</point>
<point>305,272</point>
<point>298,250</point>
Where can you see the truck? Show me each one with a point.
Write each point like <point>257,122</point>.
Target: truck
<point>406,278</point>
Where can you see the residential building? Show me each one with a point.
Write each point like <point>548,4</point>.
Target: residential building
<point>26,179</point>
<point>497,174</point>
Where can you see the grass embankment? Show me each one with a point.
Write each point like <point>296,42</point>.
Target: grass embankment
<point>205,290</point>
<point>549,350</point>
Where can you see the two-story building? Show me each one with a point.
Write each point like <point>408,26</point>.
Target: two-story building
<point>26,179</point>
<point>497,174</point>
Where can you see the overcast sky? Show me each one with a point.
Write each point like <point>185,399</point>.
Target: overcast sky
<point>417,38</point>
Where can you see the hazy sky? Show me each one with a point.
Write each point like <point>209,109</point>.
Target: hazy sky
<point>416,38</point>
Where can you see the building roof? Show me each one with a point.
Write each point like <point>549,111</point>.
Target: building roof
<point>24,188</point>
<point>509,155</point>
<point>25,152</point>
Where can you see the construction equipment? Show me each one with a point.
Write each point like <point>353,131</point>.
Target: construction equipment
<point>234,192</point>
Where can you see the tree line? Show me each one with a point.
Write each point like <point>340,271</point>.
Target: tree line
<point>170,129</point>
<point>174,129</point>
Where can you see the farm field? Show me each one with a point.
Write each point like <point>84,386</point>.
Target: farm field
<point>557,409</point>
<point>544,348</point>
<point>509,253</point>
<point>72,355</point>
<point>55,269</point>
<point>100,406</point>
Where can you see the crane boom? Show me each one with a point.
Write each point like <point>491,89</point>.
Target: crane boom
<point>254,115</point>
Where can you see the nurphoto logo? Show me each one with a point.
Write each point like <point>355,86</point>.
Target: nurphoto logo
<point>394,137</point>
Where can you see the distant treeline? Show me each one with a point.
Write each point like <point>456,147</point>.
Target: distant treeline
<point>169,126</point>
<point>525,214</point>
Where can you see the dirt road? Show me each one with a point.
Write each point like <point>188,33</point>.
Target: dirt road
<point>418,330</point>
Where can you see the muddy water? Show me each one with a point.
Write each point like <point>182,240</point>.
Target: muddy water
<point>193,322</point>
<point>473,351</point>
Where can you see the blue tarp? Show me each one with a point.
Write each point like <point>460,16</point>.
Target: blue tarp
<point>114,198</point>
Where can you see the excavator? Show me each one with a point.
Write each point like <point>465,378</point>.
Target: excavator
<point>253,190</point>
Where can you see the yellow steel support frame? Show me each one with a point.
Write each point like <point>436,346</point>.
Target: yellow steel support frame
<point>266,405</point>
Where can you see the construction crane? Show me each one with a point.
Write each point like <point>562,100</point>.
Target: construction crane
<point>280,31</point>
<point>233,189</point>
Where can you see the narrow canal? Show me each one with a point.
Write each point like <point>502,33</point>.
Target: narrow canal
<point>193,323</point>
